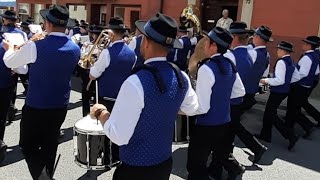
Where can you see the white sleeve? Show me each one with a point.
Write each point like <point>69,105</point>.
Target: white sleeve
<point>132,45</point>
<point>295,76</point>
<point>238,89</point>
<point>280,72</point>
<point>194,41</point>
<point>21,70</point>
<point>266,72</point>
<point>305,66</point>
<point>101,64</point>
<point>120,126</point>
<point>219,23</point>
<point>190,103</point>
<point>230,56</point>
<point>253,54</point>
<point>25,55</point>
<point>70,33</point>
<point>205,81</point>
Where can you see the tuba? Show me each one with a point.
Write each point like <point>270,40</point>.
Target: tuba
<point>189,19</point>
<point>86,61</point>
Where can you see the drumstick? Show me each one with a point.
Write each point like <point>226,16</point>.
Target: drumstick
<point>55,166</point>
<point>97,101</point>
<point>88,85</point>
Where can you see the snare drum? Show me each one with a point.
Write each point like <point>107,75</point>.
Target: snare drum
<point>181,130</point>
<point>92,148</point>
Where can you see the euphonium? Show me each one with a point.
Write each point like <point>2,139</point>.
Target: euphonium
<point>103,40</point>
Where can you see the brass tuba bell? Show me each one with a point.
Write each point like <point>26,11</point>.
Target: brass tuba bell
<point>189,19</point>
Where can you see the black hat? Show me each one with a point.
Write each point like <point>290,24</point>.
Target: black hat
<point>9,15</point>
<point>183,29</point>
<point>264,32</point>
<point>116,23</point>
<point>96,29</point>
<point>239,27</point>
<point>285,46</point>
<point>220,36</point>
<point>58,15</point>
<point>313,40</point>
<point>161,29</point>
<point>84,25</point>
<point>24,24</point>
<point>30,20</point>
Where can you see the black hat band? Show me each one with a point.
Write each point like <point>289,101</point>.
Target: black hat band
<point>157,36</point>
<point>259,33</point>
<point>285,48</point>
<point>56,20</point>
<point>213,36</point>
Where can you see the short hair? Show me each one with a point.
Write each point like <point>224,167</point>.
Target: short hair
<point>242,38</point>
<point>225,11</point>
<point>118,31</point>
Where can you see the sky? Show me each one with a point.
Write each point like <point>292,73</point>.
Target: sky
<point>7,0</point>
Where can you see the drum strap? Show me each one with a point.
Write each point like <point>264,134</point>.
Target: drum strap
<point>178,74</point>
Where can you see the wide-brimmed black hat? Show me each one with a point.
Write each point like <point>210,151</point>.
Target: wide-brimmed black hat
<point>30,20</point>
<point>96,29</point>
<point>264,32</point>
<point>9,15</point>
<point>313,40</point>
<point>116,23</point>
<point>24,24</point>
<point>161,29</point>
<point>220,36</point>
<point>239,27</point>
<point>84,25</point>
<point>58,15</point>
<point>183,29</point>
<point>285,46</point>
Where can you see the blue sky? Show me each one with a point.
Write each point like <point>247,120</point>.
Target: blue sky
<point>7,0</point>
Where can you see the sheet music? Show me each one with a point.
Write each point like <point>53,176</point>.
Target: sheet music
<point>84,39</point>
<point>14,38</point>
<point>35,28</point>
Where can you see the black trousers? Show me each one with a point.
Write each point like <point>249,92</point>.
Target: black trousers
<point>157,172</point>
<point>86,95</point>
<point>310,109</point>
<point>243,134</point>
<point>39,133</point>
<point>297,97</point>
<point>207,139</point>
<point>248,102</point>
<point>270,118</point>
<point>25,81</point>
<point>5,99</point>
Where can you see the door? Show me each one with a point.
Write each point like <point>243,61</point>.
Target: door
<point>95,14</point>
<point>135,15</point>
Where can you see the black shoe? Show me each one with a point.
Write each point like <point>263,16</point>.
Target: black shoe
<point>61,134</point>
<point>292,142</point>
<point>233,175</point>
<point>263,138</point>
<point>308,133</point>
<point>3,151</point>
<point>258,155</point>
<point>215,172</point>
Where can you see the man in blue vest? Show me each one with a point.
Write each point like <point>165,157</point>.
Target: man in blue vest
<point>279,90</point>
<point>135,46</point>
<point>52,61</point>
<point>260,58</point>
<point>217,83</point>
<point>240,57</point>
<point>143,117</point>
<point>7,79</point>
<point>308,67</point>
<point>112,68</point>
<point>181,56</point>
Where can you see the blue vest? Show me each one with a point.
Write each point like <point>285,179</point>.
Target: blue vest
<point>6,80</point>
<point>289,71</point>
<point>140,59</point>
<point>257,70</point>
<point>29,35</point>
<point>122,60</point>
<point>244,65</point>
<point>219,113</point>
<point>76,30</point>
<point>151,142</point>
<point>182,56</point>
<point>49,76</point>
<point>311,78</point>
<point>171,54</point>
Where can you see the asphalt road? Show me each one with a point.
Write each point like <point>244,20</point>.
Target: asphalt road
<point>277,164</point>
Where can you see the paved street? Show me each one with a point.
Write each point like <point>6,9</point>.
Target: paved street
<point>277,164</point>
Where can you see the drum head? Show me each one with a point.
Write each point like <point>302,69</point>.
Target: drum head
<point>87,124</point>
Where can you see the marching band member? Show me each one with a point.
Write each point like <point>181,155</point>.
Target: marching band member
<point>280,86</point>
<point>260,57</point>
<point>75,30</point>
<point>47,99</point>
<point>308,67</point>
<point>7,80</point>
<point>217,83</point>
<point>113,67</point>
<point>151,98</point>
<point>135,46</point>
<point>181,56</point>
<point>244,64</point>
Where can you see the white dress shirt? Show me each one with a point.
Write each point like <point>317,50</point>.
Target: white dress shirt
<point>224,23</point>
<point>103,62</point>
<point>206,80</point>
<point>133,44</point>
<point>305,64</point>
<point>280,72</point>
<point>25,55</point>
<point>120,126</point>
<point>253,54</point>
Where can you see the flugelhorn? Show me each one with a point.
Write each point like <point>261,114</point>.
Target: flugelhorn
<point>34,38</point>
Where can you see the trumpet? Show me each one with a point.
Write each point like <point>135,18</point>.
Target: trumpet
<point>34,38</point>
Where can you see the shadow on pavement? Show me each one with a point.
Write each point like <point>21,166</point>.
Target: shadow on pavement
<point>14,154</point>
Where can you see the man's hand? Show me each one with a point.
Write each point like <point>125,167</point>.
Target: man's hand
<point>6,45</point>
<point>263,81</point>
<point>100,112</point>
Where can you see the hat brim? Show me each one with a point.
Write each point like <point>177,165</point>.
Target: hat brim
<point>285,48</point>
<point>117,27</point>
<point>8,17</point>
<point>44,13</point>
<point>311,42</point>
<point>241,31</point>
<point>140,25</point>
<point>270,39</point>
<point>215,40</point>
